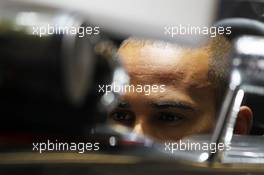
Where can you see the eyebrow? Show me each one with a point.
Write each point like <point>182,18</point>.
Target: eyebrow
<point>172,104</point>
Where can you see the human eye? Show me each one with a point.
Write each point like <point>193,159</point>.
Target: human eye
<point>169,117</point>
<point>123,117</point>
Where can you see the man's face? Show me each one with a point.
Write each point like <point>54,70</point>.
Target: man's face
<point>185,107</point>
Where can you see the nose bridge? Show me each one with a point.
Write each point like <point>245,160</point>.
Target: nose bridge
<point>138,127</point>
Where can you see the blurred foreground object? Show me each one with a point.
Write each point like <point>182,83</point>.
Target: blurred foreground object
<point>143,18</point>
<point>51,64</point>
<point>246,76</point>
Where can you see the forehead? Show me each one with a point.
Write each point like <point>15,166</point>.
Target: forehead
<point>151,62</point>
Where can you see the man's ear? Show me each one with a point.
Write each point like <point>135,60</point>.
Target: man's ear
<point>244,120</point>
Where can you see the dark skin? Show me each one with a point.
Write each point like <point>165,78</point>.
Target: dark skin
<point>188,104</point>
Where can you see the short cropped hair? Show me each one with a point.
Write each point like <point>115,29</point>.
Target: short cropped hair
<point>218,49</point>
<point>219,66</point>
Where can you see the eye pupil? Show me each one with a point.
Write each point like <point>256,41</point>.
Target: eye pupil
<point>121,116</point>
<point>167,117</point>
